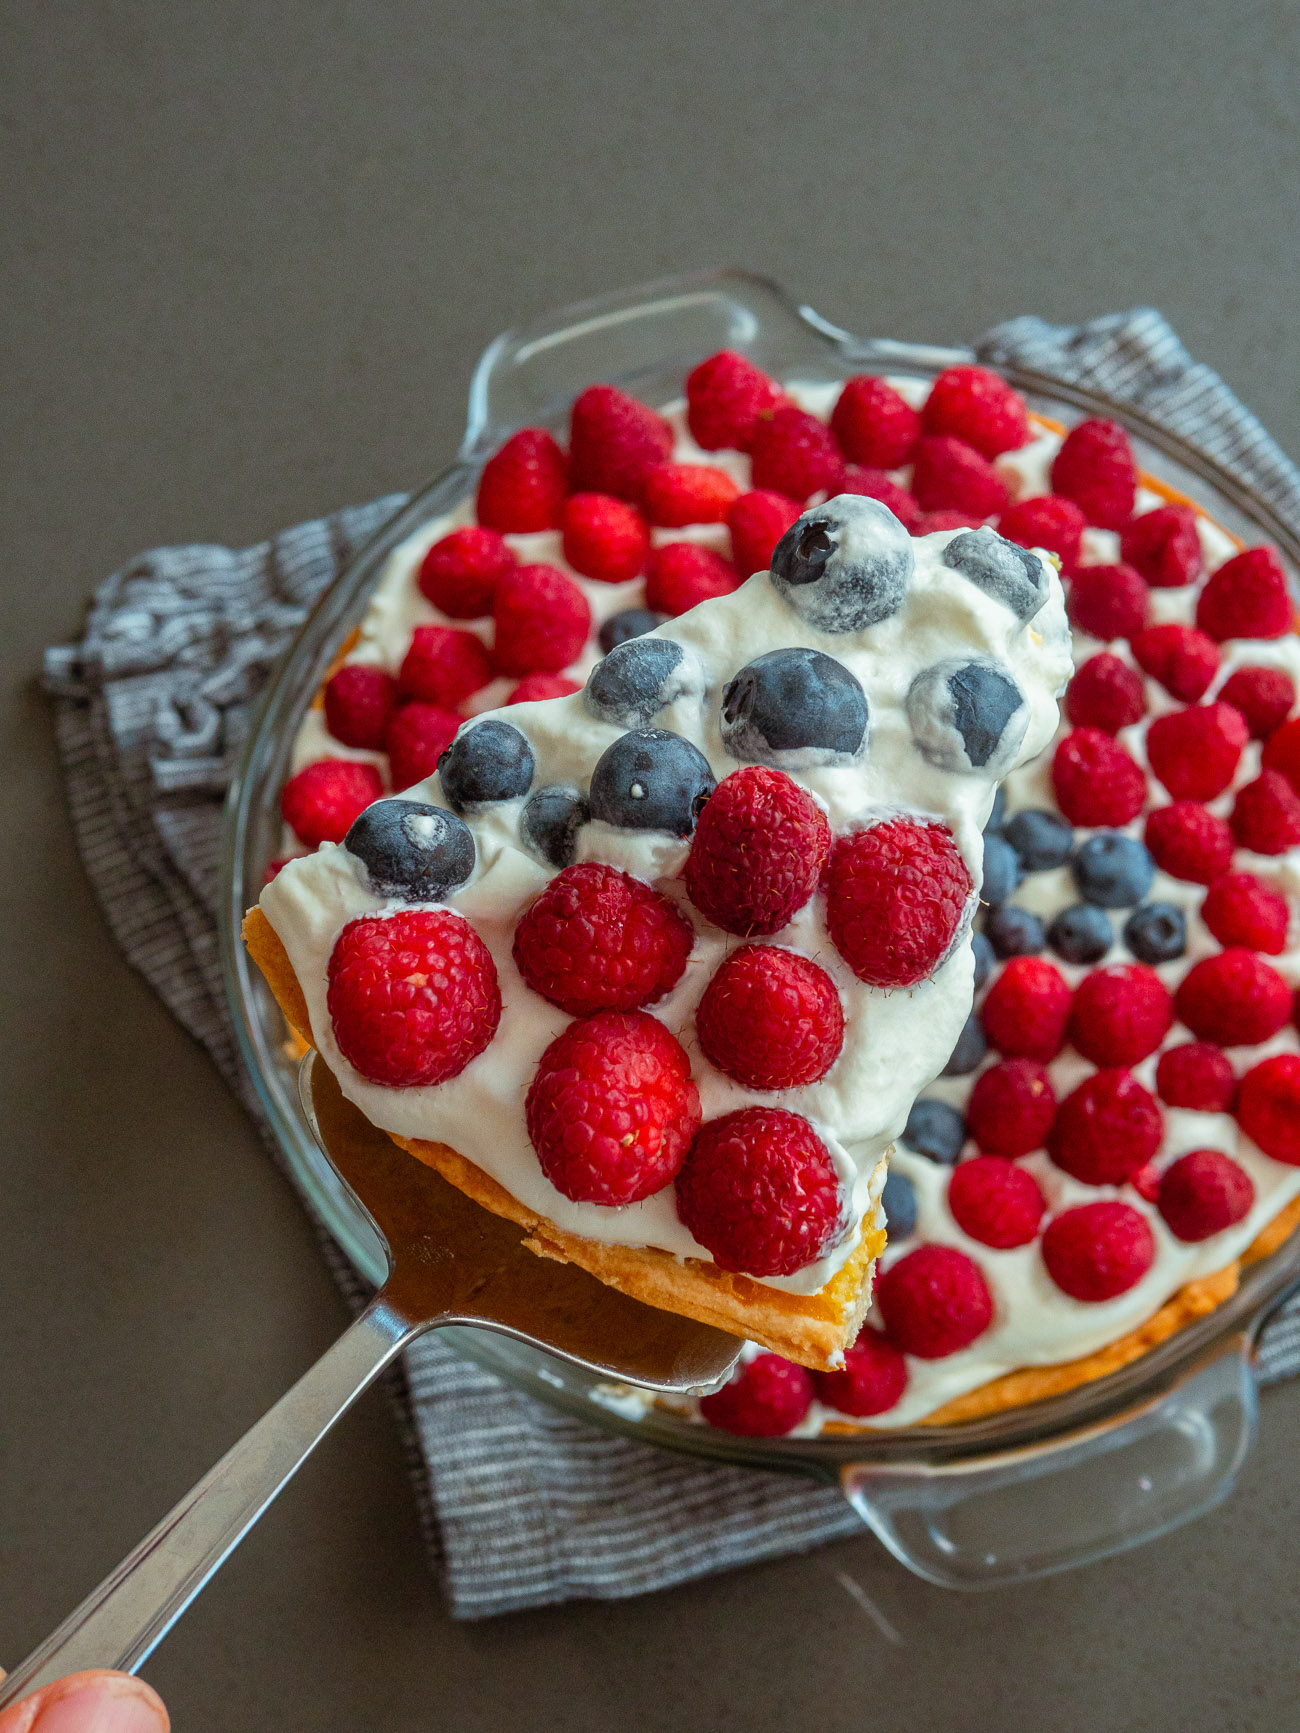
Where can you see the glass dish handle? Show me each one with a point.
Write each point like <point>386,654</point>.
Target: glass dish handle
<point>1018,1514</point>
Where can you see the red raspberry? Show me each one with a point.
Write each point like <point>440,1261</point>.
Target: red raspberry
<point>1163,545</point>
<point>1188,841</point>
<point>725,395</point>
<point>1196,1075</point>
<point>995,1202</point>
<point>1235,999</point>
<point>951,475</point>
<point>1120,1013</point>
<point>443,666</point>
<point>1109,601</point>
<point>358,702</point>
<point>1266,815</point>
<point>614,441</point>
<point>1011,1107</point>
<point>1247,597</point>
<point>1182,659</point>
<point>688,493</point>
<point>1240,909</point>
<point>682,575</point>
<point>758,851</point>
<point>1282,751</point>
<point>1195,752</point>
<point>766,1398</point>
<point>605,538</point>
<point>1268,1107</point>
<point>1202,1193</point>
<point>793,453</point>
<point>1098,1251</point>
<point>612,1109</point>
<point>321,801</point>
<point>459,574</point>
<point>413,997</point>
<point>597,939</point>
<point>934,1301</point>
<point>1105,693</point>
<point>534,687</point>
<point>875,484</point>
<point>1026,1010</point>
<point>874,424</point>
<point>1096,782</point>
<point>771,1019</point>
<point>760,1193</point>
<point>541,621</point>
<point>1263,695</point>
<point>871,1381</point>
<point>935,522</point>
<point>977,406</point>
<point>1106,1129</point>
<point>757,521</point>
<point>415,739</point>
<point>896,894</point>
<point>1146,1182</point>
<point>1095,468</point>
<point>522,487</point>
<point>1046,521</point>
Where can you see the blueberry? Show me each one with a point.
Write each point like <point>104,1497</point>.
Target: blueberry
<point>967,716</point>
<point>899,1200</point>
<point>1001,870</point>
<point>983,959</point>
<point>651,780</point>
<point>1042,839</point>
<point>1156,933</point>
<point>1008,573</point>
<point>935,1129</point>
<point>1113,870</point>
<point>486,762</point>
<point>1081,934</point>
<point>639,678</point>
<point>550,823</point>
<point>411,850</point>
<point>998,813</point>
<point>1014,932</point>
<point>969,1052</point>
<point>794,709</point>
<point>631,623</point>
<point>844,565</point>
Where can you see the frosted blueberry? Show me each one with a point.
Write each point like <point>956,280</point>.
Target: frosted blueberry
<point>1010,574</point>
<point>650,779</point>
<point>410,850</point>
<point>967,716</point>
<point>795,709</point>
<point>486,762</point>
<point>550,822</point>
<point>844,565</point>
<point>639,678</point>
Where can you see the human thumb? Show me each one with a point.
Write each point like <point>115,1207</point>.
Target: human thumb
<point>89,1703</point>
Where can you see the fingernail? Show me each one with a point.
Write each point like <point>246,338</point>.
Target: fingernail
<point>113,1704</point>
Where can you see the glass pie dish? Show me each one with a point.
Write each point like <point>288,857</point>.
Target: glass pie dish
<point>1029,1490</point>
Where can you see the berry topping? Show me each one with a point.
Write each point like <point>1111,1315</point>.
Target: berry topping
<point>1282,751</point>
<point>1195,752</point>
<point>1266,814</point>
<point>844,565</point>
<point>967,716</point>
<point>1109,601</point>
<point>1268,1107</point>
<point>1095,780</point>
<point>898,1200</point>
<point>444,665</point>
<point>934,1301</point>
<point>550,822</point>
<point>876,484</point>
<point>1156,933</point>
<point>873,1377</point>
<point>757,854</point>
<point>1264,696</point>
<point>1042,840</point>
<point>460,573</point>
<point>1112,870</point>
<point>1182,659</point>
<point>1202,1193</point>
<point>794,709</point>
<point>897,894</point>
<point>650,779</point>
<point>982,952</point>
<point>1095,467</point>
<point>794,454</point>
<point>971,1049</point>
<point>486,762</point>
<point>770,1019</point>
<point>1163,545</point>
<point>320,802</point>
<point>1188,841</point>
<point>995,1202</point>
<point>359,699</point>
<point>541,621</point>
<point>1106,1129</point>
<point>412,997</point>
<point>1010,574</point>
<point>683,574</point>
<point>1105,693</point>
<point>1240,909</point>
<point>1014,932</point>
<point>1001,870</point>
<point>757,522</point>
<point>1026,1010</point>
<point>1247,597</point>
<point>950,475</point>
<point>1235,999</point>
<point>629,623</point>
<point>415,739</point>
<point>522,487</point>
<point>725,395</point>
<point>677,494</point>
<point>766,1398</point>
<point>614,442</point>
<point>534,688</point>
<point>874,424</point>
<point>1120,1014</point>
<point>973,404</point>
<point>411,850</point>
<point>1198,1075</point>
<point>1080,934</point>
<point>1098,1251</point>
<point>605,538</point>
<point>1045,522</point>
<point>1011,1108</point>
<point>935,1130</point>
<point>641,677</point>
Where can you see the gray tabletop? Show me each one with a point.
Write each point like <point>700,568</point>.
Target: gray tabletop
<point>250,252</point>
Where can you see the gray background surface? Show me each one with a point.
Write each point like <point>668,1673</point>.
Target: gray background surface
<point>248,253</point>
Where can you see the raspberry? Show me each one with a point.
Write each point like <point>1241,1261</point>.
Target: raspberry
<point>413,997</point>
<point>1026,1010</point>
<point>1240,909</point>
<point>614,442</point>
<point>760,1193</point>
<point>459,574</point>
<point>522,487</point>
<point>1109,601</point>
<point>1163,545</point>
<point>758,851</point>
<point>1247,597</point>
<point>1202,1193</point>
<point>1282,751</point>
<point>872,1379</point>
<point>1266,815</point>
<point>1195,752</point>
<point>1120,1014</point>
<point>541,621</point>
<point>1196,1075</point>
<point>597,939</point>
<point>443,666</point>
<point>725,395</point>
<point>935,522</point>
<point>538,686</point>
<point>321,801</point>
<point>1188,841</point>
<point>1182,659</point>
<point>979,407</point>
<point>605,538</point>
<point>895,898</point>
<point>874,424</point>
<point>1146,1182</point>
<point>794,454</point>
<point>1106,1129</point>
<point>766,1398</point>
<point>875,484</point>
<point>1011,1108</point>
<point>612,1109</point>
<point>1268,1107</point>
<point>757,521</point>
<point>934,1301</point>
<point>1098,1251</point>
<point>1235,999</point>
<point>1045,522</point>
<point>1105,693</point>
<point>1096,782</point>
<point>358,702</point>
<point>682,575</point>
<point>415,739</point>
<point>1263,695</point>
<point>1095,468</point>
<point>951,475</point>
<point>770,1019</point>
<point>676,494</point>
<point>995,1202</point>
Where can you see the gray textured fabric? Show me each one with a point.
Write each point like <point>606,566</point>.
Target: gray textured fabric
<point>522,1506</point>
